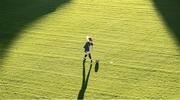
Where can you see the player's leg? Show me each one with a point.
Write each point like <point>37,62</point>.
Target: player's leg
<point>85,57</point>
<point>86,53</point>
<point>90,57</point>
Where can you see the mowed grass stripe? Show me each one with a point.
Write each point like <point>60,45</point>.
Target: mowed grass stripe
<point>38,84</point>
<point>125,59</point>
<point>19,94</point>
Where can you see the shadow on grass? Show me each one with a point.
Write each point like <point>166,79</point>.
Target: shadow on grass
<point>97,66</point>
<point>17,14</point>
<point>170,11</point>
<point>84,82</point>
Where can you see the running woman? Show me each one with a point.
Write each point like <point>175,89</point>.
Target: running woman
<point>87,46</point>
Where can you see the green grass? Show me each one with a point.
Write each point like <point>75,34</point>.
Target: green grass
<point>44,56</point>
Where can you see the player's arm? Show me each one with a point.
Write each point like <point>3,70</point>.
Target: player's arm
<point>85,45</point>
<point>91,44</point>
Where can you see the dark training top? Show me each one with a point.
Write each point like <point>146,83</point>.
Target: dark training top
<point>87,46</point>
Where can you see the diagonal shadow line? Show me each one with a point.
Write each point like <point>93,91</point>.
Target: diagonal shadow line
<point>170,11</point>
<point>84,82</point>
<point>15,15</point>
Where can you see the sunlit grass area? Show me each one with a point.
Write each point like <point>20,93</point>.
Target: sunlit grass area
<point>138,55</point>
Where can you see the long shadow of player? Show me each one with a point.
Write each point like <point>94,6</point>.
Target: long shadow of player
<point>84,82</point>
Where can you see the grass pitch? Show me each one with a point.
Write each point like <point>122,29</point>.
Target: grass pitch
<point>41,49</point>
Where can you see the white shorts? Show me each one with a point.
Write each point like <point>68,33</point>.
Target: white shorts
<point>87,52</point>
